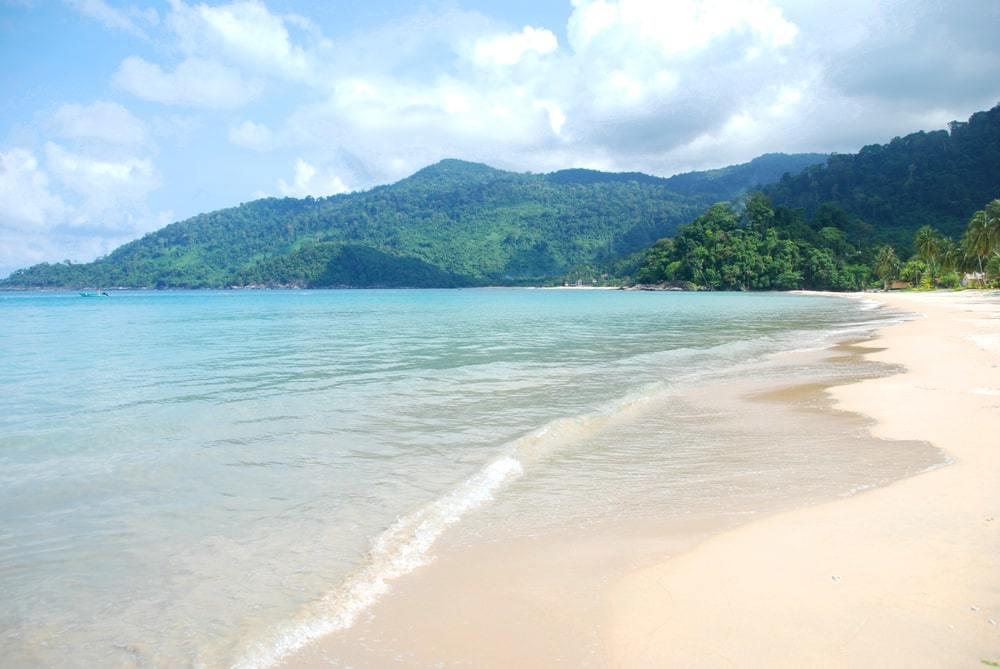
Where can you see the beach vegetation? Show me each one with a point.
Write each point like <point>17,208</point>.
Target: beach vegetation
<point>887,265</point>
<point>980,247</point>
<point>755,246</point>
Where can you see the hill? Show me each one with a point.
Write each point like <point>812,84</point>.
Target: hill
<point>452,223</point>
<point>936,178</point>
<point>840,225</point>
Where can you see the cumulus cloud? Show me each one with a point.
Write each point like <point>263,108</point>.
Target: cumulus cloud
<point>101,121</point>
<point>309,180</point>
<point>676,27</point>
<point>72,207</point>
<point>646,85</point>
<point>511,48</point>
<point>194,83</point>
<point>107,190</point>
<point>246,33</point>
<point>636,80</point>
<point>26,202</point>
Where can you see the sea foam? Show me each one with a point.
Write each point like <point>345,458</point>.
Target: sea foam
<point>399,550</point>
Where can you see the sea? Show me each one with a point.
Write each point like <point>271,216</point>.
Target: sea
<point>216,479</point>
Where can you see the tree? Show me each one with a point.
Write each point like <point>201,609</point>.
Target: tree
<point>992,215</point>
<point>981,242</point>
<point>948,254</point>
<point>887,265</point>
<point>913,270</point>
<point>927,244</point>
<point>976,243</point>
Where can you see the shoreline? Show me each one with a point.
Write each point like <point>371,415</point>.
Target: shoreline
<point>900,575</point>
<point>549,593</point>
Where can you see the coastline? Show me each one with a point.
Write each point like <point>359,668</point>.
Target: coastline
<point>901,575</point>
<point>535,601</point>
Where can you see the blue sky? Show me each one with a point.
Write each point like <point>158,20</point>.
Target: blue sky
<point>118,118</point>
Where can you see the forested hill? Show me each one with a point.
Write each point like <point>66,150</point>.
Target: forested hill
<point>453,223</point>
<point>923,209</point>
<point>926,178</point>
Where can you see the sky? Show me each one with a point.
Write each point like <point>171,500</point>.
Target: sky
<point>119,118</point>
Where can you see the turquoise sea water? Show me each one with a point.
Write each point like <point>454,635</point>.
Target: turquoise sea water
<point>212,478</point>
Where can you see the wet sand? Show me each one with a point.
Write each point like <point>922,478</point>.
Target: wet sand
<point>906,575</point>
<point>564,598</point>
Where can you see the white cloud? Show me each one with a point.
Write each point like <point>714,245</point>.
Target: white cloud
<point>557,119</point>
<point>310,181</point>
<point>251,135</point>
<point>676,27</point>
<point>511,48</point>
<point>646,85</point>
<point>194,83</point>
<point>128,20</point>
<point>26,201</point>
<point>100,206</point>
<point>108,191</point>
<point>247,34</point>
<point>639,79</point>
<point>102,121</point>
<point>85,174</point>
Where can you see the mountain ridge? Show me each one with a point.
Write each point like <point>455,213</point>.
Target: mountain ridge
<point>472,223</point>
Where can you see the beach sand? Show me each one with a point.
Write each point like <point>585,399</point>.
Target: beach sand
<point>888,577</point>
<point>906,575</point>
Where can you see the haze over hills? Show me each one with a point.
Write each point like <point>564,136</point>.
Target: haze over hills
<point>452,223</point>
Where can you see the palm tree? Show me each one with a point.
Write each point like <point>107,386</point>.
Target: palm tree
<point>982,236</point>
<point>992,215</point>
<point>927,244</point>
<point>948,254</point>
<point>977,243</point>
<point>886,265</point>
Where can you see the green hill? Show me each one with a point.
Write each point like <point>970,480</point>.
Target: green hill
<point>934,178</point>
<point>840,225</point>
<point>452,223</point>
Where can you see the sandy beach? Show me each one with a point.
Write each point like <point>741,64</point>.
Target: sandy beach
<point>902,575</point>
<point>906,575</point>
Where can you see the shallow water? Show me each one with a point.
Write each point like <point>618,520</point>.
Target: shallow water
<point>212,479</point>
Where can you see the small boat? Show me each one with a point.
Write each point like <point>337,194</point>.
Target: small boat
<point>89,294</point>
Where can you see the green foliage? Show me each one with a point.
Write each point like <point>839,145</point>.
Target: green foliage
<point>756,247</point>
<point>980,247</point>
<point>913,270</point>
<point>950,280</point>
<point>333,265</point>
<point>819,229</point>
<point>887,265</point>
<point>453,223</point>
<point>889,191</point>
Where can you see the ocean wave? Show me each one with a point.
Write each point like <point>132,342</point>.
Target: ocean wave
<point>405,545</point>
<point>399,550</point>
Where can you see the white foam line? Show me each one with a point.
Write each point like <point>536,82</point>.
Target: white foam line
<point>399,550</point>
